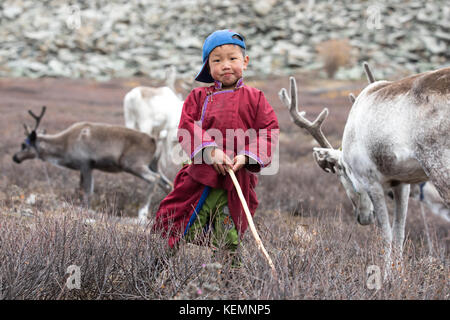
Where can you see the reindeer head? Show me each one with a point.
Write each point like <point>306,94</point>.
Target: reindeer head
<point>329,159</point>
<point>30,145</point>
<point>362,205</point>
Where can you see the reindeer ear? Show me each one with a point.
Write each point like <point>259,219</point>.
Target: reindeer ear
<point>352,98</point>
<point>327,158</point>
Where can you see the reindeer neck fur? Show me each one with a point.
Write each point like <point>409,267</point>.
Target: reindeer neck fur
<point>345,174</point>
<point>50,147</point>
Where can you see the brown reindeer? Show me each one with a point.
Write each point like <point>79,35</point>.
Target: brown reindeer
<point>86,146</point>
<point>397,134</point>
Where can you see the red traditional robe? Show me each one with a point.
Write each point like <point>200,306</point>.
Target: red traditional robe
<point>239,121</point>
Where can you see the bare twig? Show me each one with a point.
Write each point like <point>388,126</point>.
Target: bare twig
<point>251,224</point>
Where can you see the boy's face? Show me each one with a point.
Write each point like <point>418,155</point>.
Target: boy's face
<point>226,64</point>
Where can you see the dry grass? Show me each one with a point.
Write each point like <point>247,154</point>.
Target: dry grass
<point>304,220</point>
<point>321,257</point>
<point>334,53</point>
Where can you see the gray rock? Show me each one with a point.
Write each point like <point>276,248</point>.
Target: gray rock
<point>442,35</point>
<point>263,7</point>
<point>11,12</point>
<point>58,68</point>
<point>353,73</point>
<point>142,37</point>
<point>434,45</point>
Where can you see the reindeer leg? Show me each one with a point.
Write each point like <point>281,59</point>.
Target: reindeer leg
<point>151,178</point>
<point>165,182</point>
<point>401,196</point>
<point>427,232</point>
<point>145,173</point>
<point>435,161</point>
<point>376,194</point>
<point>143,211</point>
<point>87,184</point>
<point>80,191</point>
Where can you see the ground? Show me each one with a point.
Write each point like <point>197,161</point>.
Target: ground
<point>298,204</point>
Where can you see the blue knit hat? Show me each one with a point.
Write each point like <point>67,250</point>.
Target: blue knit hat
<point>214,40</point>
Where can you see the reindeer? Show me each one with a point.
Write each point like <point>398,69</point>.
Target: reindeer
<point>397,134</point>
<point>86,146</point>
<point>156,111</point>
<point>424,192</point>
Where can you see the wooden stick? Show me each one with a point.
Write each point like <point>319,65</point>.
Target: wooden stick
<point>250,222</point>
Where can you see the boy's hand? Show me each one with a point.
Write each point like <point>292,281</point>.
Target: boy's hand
<point>239,161</point>
<point>219,160</point>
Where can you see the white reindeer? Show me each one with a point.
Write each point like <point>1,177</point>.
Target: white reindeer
<point>427,193</point>
<point>397,133</point>
<point>86,146</point>
<point>157,112</point>
<point>424,192</point>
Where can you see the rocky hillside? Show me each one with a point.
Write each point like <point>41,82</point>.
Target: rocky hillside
<point>122,38</point>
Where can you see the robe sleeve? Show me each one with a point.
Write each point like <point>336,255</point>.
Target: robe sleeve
<point>192,137</point>
<point>261,147</point>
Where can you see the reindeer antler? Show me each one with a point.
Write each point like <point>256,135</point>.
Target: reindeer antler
<point>315,127</point>
<point>370,78</point>
<point>37,118</point>
<point>369,74</point>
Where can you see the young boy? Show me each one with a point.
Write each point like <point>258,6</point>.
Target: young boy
<point>227,125</point>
